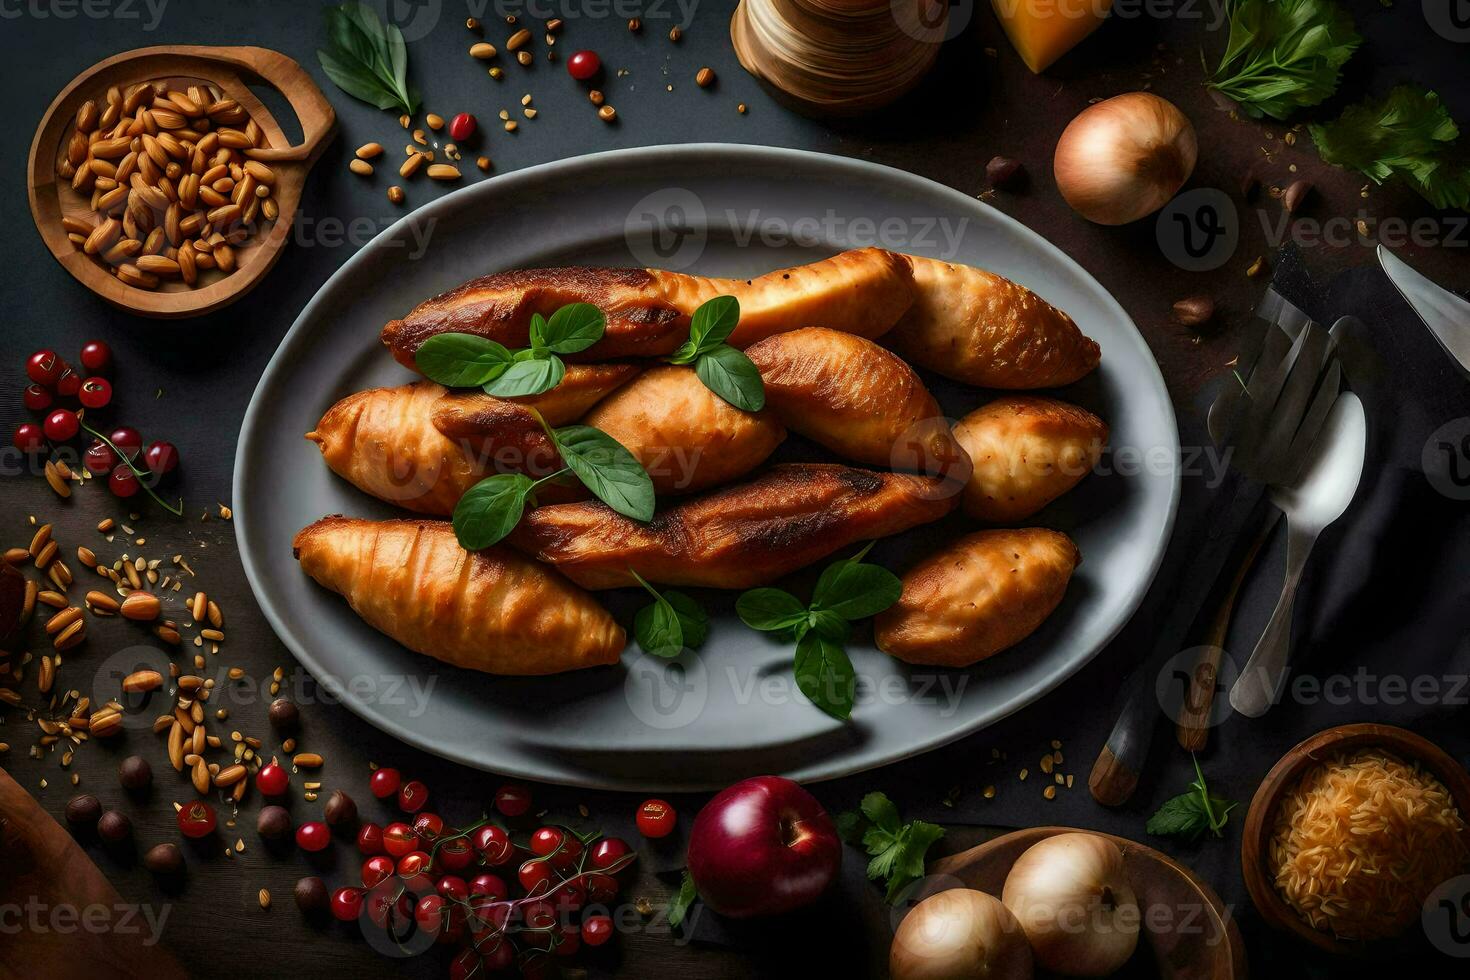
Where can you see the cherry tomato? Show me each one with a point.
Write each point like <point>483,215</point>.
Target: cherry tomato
<point>413,864</point>
<point>608,852</point>
<point>99,459</point>
<point>62,425</point>
<point>196,819</point>
<point>37,398</point>
<point>596,930</point>
<point>313,836</point>
<point>462,127</point>
<point>601,888</point>
<point>161,459</point>
<point>488,886</point>
<point>430,914</point>
<point>568,941</point>
<point>656,819</point>
<point>399,839</point>
<point>513,799</point>
<point>493,844</point>
<point>452,887</point>
<point>563,848</point>
<point>583,65</point>
<point>533,874</point>
<point>68,383</point>
<point>96,356</point>
<point>123,482</point>
<point>384,782</point>
<point>377,869</point>
<point>545,840</point>
<point>456,854</point>
<point>128,440</point>
<point>347,904</point>
<point>370,839</point>
<point>95,393</point>
<point>412,796</point>
<point>272,780</point>
<point>29,437</point>
<point>44,367</point>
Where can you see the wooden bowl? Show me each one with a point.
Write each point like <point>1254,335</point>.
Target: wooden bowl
<point>1206,944</point>
<point>228,68</point>
<point>1255,845</point>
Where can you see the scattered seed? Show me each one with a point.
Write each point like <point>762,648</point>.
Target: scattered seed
<point>395,194</point>
<point>607,114</point>
<point>675,33</point>
<point>705,77</point>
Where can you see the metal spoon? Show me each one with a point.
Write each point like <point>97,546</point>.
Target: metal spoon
<point>1326,488</point>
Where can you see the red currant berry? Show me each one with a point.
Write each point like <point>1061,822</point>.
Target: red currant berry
<point>596,930</point>
<point>500,957</point>
<point>534,874</point>
<point>123,482</point>
<point>95,393</point>
<point>37,398</point>
<point>370,839</point>
<point>62,425</point>
<point>389,904</point>
<point>493,844</point>
<point>608,852</point>
<point>161,459</point>
<point>384,783</point>
<point>513,799</point>
<point>488,886</point>
<point>128,440</point>
<point>68,383</point>
<point>44,367</point>
<point>601,888</point>
<point>399,839</point>
<point>413,864</point>
<point>313,836</point>
<point>452,887</point>
<point>377,869</point>
<point>456,854</point>
<point>546,840</point>
<point>99,459</point>
<point>583,65</point>
<point>412,796</point>
<point>467,965</point>
<point>539,915</point>
<point>196,819</point>
<point>656,819</point>
<point>272,780</point>
<point>462,127</point>
<point>347,904</point>
<point>29,437</point>
<point>430,914</point>
<point>428,826</point>
<point>96,356</point>
<point>568,941</point>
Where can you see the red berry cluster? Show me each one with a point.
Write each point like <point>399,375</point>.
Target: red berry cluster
<point>53,379</point>
<point>421,875</point>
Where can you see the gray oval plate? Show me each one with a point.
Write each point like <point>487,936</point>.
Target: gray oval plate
<point>732,710</point>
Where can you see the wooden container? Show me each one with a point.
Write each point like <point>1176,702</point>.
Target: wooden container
<point>839,57</point>
<point>227,69</point>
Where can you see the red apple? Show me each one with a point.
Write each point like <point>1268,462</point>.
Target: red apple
<point>764,846</point>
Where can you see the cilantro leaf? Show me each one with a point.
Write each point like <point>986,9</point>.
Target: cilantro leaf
<point>896,850</point>
<point>1283,55</point>
<point>683,898</point>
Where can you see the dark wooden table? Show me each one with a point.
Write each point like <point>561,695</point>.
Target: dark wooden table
<point>190,382</point>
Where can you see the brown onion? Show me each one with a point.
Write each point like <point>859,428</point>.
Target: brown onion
<point>1071,895</point>
<point>959,934</point>
<point>1124,158</point>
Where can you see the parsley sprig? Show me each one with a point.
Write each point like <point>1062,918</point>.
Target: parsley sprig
<point>1284,55</point>
<point>896,850</point>
<point>847,591</point>
<point>724,370</point>
<point>1191,815</point>
<point>672,623</point>
<point>365,59</point>
<point>465,360</point>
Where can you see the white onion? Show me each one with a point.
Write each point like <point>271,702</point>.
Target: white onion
<point>1072,898</point>
<point>959,934</point>
<point>1124,158</point>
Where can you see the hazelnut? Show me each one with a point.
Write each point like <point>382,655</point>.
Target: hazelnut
<point>165,859</point>
<point>340,811</point>
<point>284,715</point>
<point>114,827</point>
<point>273,823</point>
<point>1003,172</point>
<point>135,773</point>
<point>311,895</point>
<point>83,811</point>
<point>1194,311</point>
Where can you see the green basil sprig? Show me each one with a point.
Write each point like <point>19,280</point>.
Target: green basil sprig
<point>365,59</point>
<point>847,591</point>
<point>492,508</point>
<point>464,360</point>
<point>670,624</point>
<point>723,369</point>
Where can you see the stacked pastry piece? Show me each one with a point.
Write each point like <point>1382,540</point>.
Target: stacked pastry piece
<point>833,342</point>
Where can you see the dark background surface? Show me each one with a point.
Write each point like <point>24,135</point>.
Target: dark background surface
<point>1387,594</point>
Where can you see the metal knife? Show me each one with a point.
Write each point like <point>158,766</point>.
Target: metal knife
<point>1446,315</point>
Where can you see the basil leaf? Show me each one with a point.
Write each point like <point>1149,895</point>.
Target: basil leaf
<point>575,327</point>
<point>538,333</point>
<point>685,353</point>
<point>658,630</point>
<point>854,590</point>
<point>356,80</point>
<point>679,904</point>
<point>829,624</point>
<point>607,469</point>
<point>713,321</point>
<point>529,377</point>
<point>490,510</point>
<point>693,620</point>
<point>825,675</point>
<point>461,360</point>
<point>733,376</point>
<point>365,59</point>
<point>770,609</point>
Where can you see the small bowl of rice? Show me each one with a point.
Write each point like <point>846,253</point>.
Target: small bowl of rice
<point>1351,832</point>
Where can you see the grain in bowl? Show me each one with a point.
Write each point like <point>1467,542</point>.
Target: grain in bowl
<point>1361,840</point>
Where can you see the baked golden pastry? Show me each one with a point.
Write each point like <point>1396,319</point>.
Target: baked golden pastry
<point>1027,452</point>
<point>491,610</point>
<point>969,601</point>
<point>977,327</point>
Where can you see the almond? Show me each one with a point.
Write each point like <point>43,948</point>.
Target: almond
<point>142,607</point>
<point>142,680</point>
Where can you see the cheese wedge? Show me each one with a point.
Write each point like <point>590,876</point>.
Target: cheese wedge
<point>1042,31</point>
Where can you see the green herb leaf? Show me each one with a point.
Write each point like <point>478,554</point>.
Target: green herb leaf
<point>679,904</point>
<point>881,811</point>
<point>491,509</point>
<point>770,609</point>
<point>854,590</point>
<point>685,353</point>
<point>365,59</point>
<point>672,623</point>
<point>829,624</point>
<point>1190,815</point>
<point>733,376</point>
<point>897,850</point>
<point>713,322</point>
<point>1409,134</point>
<point>461,360</point>
<point>607,469</point>
<point>825,675</point>
<point>531,376</point>
<point>575,327</point>
<point>1284,55</point>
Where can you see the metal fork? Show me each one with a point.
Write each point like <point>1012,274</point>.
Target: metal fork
<point>1264,424</point>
